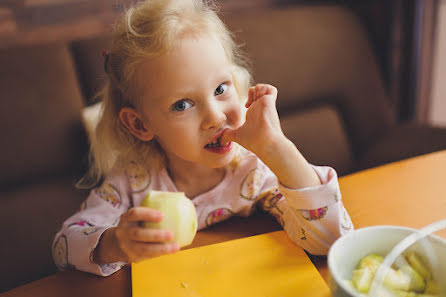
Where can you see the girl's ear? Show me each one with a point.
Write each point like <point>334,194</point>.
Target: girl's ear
<point>132,120</point>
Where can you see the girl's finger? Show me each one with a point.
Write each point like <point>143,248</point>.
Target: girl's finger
<point>250,97</point>
<point>263,90</point>
<point>259,91</point>
<point>155,249</point>
<point>227,137</point>
<point>140,213</point>
<point>148,235</point>
<point>272,91</point>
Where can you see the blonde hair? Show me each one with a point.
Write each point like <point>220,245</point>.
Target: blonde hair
<point>145,31</point>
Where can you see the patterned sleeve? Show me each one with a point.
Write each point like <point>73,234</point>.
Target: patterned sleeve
<point>74,244</point>
<point>313,217</point>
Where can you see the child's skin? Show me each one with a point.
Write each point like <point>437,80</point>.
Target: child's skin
<point>186,100</point>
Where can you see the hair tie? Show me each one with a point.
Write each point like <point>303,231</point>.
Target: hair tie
<point>106,56</point>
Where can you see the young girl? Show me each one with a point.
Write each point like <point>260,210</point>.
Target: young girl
<point>179,115</point>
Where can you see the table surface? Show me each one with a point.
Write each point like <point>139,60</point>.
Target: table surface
<point>406,193</point>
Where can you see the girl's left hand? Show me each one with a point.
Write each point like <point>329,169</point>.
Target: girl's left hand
<point>262,125</point>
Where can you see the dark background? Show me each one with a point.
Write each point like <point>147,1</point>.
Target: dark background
<point>391,27</point>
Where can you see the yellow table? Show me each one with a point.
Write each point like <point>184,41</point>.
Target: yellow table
<point>407,193</point>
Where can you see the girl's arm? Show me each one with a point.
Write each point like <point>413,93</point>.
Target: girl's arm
<point>291,168</point>
<point>105,234</point>
<point>262,134</point>
<point>313,217</point>
<point>310,209</point>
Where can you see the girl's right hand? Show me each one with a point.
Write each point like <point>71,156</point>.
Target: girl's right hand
<point>135,242</point>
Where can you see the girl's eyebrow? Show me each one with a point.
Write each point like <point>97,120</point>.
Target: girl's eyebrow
<point>226,74</point>
<point>179,95</point>
<point>222,77</point>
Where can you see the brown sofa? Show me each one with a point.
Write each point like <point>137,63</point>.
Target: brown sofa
<point>331,101</point>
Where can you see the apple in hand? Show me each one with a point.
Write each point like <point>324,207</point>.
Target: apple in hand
<point>179,215</point>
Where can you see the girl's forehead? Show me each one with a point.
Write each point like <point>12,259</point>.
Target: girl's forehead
<point>190,64</point>
<point>191,50</point>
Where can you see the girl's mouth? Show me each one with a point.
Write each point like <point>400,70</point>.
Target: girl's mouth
<point>216,147</point>
<point>214,144</point>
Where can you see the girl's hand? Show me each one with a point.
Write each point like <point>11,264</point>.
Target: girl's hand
<point>133,242</point>
<point>262,125</point>
<point>262,135</point>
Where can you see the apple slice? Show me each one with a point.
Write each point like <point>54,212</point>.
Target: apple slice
<point>371,261</point>
<point>362,279</point>
<point>417,264</point>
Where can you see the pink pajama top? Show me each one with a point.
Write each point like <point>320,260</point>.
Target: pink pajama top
<point>312,217</point>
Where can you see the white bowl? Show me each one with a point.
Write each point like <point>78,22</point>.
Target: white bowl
<point>347,251</point>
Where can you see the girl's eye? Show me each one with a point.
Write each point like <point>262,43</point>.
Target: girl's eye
<point>181,105</point>
<point>220,89</point>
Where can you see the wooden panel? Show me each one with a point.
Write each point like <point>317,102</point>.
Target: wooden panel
<point>24,22</point>
<point>8,24</point>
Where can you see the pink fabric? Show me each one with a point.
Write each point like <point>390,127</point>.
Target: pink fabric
<point>312,217</point>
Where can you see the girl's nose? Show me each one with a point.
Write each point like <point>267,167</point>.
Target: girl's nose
<point>214,116</point>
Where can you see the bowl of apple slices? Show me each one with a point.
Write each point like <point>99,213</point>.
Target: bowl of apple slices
<point>388,261</point>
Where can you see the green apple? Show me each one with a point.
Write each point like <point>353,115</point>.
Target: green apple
<point>397,280</point>
<point>417,282</point>
<point>417,264</point>
<point>372,262</point>
<point>179,215</point>
<point>362,279</point>
<point>431,287</point>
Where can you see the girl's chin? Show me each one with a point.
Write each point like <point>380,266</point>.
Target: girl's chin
<point>207,159</point>
<point>223,161</point>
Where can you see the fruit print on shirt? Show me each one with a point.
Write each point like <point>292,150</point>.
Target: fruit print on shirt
<point>87,228</point>
<point>251,185</point>
<point>110,194</point>
<point>271,198</point>
<point>346,223</point>
<point>314,214</point>
<point>82,223</point>
<point>268,202</point>
<point>60,253</point>
<point>139,177</point>
<point>218,215</point>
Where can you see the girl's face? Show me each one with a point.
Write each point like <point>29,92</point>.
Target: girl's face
<point>188,100</point>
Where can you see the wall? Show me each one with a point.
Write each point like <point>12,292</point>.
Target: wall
<point>25,22</point>
<point>437,108</point>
